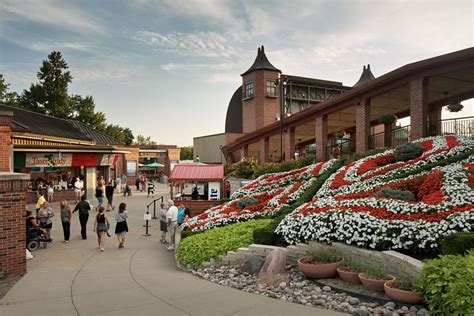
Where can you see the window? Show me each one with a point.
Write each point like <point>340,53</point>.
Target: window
<point>271,89</point>
<point>248,93</point>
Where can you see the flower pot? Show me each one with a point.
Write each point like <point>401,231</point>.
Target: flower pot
<point>318,270</point>
<point>348,276</point>
<point>402,296</point>
<point>374,284</point>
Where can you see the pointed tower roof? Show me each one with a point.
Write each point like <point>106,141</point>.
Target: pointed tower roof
<point>261,62</point>
<point>365,76</point>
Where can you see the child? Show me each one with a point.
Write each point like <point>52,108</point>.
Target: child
<point>101,226</point>
<point>50,191</point>
<point>151,188</point>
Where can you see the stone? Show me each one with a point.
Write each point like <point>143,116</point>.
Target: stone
<point>413,309</point>
<point>273,270</point>
<point>360,312</point>
<point>405,309</point>
<point>252,265</point>
<point>378,311</point>
<point>422,312</point>
<point>390,305</point>
<point>326,288</point>
<point>354,301</point>
<point>320,302</point>
<point>282,285</point>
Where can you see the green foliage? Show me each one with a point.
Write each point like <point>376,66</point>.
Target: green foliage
<point>186,153</point>
<point>405,282</point>
<point>458,243</point>
<point>388,119</point>
<point>455,107</point>
<point>323,256</point>
<point>187,233</point>
<point>376,273</point>
<point>122,134</point>
<point>142,140</point>
<point>7,98</point>
<point>352,266</point>
<point>447,284</point>
<point>246,202</point>
<point>396,194</point>
<point>245,168</point>
<point>407,151</point>
<point>284,166</point>
<point>84,111</point>
<point>210,244</point>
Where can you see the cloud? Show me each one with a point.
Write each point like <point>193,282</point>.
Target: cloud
<point>49,12</point>
<point>204,44</point>
<point>48,46</point>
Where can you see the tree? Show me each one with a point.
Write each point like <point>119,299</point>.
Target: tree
<point>128,136</point>
<point>50,95</point>
<point>84,111</point>
<point>142,140</point>
<point>7,98</point>
<point>124,135</point>
<point>186,153</point>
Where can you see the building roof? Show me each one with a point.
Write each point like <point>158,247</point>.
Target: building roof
<point>195,172</point>
<point>261,62</point>
<point>25,121</point>
<point>233,119</point>
<point>365,76</point>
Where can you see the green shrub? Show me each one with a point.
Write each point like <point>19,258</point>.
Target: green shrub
<point>324,256</point>
<point>187,233</point>
<point>242,169</point>
<point>246,202</point>
<point>458,243</point>
<point>405,282</point>
<point>375,272</point>
<point>265,235</point>
<point>283,166</point>
<point>396,194</point>
<point>210,244</point>
<point>352,266</point>
<point>407,151</point>
<point>447,284</point>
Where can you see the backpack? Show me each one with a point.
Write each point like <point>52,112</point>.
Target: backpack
<point>181,214</point>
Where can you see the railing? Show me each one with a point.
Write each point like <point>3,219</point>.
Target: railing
<point>459,126</point>
<point>395,137</point>
<point>161,198</point>
<point>346,147</point>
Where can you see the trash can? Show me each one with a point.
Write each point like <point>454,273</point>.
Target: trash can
<point>164,179</point>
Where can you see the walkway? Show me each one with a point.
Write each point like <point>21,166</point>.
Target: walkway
<point>141,279</point>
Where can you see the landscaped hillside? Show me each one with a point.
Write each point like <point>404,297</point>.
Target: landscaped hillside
<point>404,198</point>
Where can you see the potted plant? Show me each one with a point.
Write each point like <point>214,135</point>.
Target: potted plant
<point>388,119</point>
<point>321,264</point>
<point>349,271</point>
<point>374,279</point>
<point>340,134</point>
<point>455,107</point>
<point>403,290</point>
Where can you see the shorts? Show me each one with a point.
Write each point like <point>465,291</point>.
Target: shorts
<point>172,228</point>
<point>47,226</point>
<point>163,226</point>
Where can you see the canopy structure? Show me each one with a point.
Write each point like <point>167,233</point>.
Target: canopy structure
<point>197,172</point>
<point>154,165</point>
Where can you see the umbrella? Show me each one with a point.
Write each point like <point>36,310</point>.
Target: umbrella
<point>154,165</point>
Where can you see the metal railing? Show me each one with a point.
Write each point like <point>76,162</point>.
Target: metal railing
<point>346,147</point>
<point>395,137</point>
<point>161,198</point>
<point>457,126</point>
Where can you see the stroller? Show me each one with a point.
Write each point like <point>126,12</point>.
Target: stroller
<point>34,239</point>
<point>128,191</point>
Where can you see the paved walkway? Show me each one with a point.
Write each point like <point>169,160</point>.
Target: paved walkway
<point>141,279</point>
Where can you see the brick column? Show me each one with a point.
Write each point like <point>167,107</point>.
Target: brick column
<point>418,107</point>
<point>434,118</point>
<point>321,134</point>
<point>388,134</point>
<point>362,126</point>
<point>12,222</point>
<point>244,152</point>
<point>290,143</point>
<point>5,140</point>
<point>264,149</point>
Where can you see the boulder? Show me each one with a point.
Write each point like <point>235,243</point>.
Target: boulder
<point>252,265</point>
<point>273,271</point>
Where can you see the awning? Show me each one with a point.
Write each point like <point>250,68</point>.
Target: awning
<point>154,165</point>
<point>194,172</point>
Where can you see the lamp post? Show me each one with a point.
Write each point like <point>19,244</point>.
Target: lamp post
<point>220,152</point>
<point>282,81</point>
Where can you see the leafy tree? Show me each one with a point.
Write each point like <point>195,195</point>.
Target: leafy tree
<point>84,111</point>
<point>128,136</point>
<point>50,95</point>
<point>124,135</point>
<point>7,98</point>
<point>186,153</point>
<point>142,140</point>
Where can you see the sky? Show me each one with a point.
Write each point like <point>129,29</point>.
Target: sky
<point>168,68</point>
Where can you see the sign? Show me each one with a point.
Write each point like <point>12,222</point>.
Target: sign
<point>214,191</point>
<point>131,168</point>
<point>107,160</point>
<point>48,160</point>
<point>147,217</point>
<point>173,154</point>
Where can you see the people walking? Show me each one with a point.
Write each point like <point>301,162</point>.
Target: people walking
<point>45,214</point>
<point>83,207</point>
<point>78,187</point>
<point>172,216</point>
<point>109,194</point>
<point>121,228</point>
<point>150,188</point>
<point>101,226</point>
<point>99,194</point>
<point>66,215</point>
<point>163,223</point>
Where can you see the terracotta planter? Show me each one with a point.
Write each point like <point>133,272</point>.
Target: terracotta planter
<point>318,271</point>
<point>402,296</point>
<point>348,276</point>
<point>374,285</point>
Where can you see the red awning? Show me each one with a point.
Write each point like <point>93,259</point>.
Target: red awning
<point>190,172</point>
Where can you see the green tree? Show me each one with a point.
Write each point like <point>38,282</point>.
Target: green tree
<point>186,153</point>
<point>124,135</point>
<point>128,136</point>
<point>7,98</point>
<point>142,140</point>
<point>50,95</point>
<point>84,111</point>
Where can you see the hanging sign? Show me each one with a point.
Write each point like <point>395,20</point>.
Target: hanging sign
<point>214,191</point>
<point>107,159</point>
<point>48,160</point>
<point>147,217</point>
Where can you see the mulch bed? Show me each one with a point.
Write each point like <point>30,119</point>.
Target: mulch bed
<point>7,283</point>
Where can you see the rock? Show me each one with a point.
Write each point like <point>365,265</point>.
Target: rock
<point>422,312</point>
<point>360,312</point>
<point>390,305</point>
<point>413,309</point>
<point>320,302</point>
<point>345,305</point>
<point>273,270</point>
<point>378,311</point>
<point>354,301</point>
<point>326,288</point>
<point>303,301</point>
<point>252,265</point>
<point>395,314</point>
<point>206,276</point>
<point>405,309</point>
<point>282,285</point>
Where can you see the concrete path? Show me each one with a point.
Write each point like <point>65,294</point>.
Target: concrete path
<point>141,279</point>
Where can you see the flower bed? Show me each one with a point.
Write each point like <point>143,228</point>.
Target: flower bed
<point>272,191</point>
<point>345,209</point>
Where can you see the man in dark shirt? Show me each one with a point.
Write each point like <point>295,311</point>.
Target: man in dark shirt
<point>109,194</point>
<point>83,207</point>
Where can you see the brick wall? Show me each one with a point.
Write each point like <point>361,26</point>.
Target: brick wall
<point>133,155</point>
<point>5,140</point>
<point>12,223</point>
<point>68,195</point>
<point>418,107</point>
